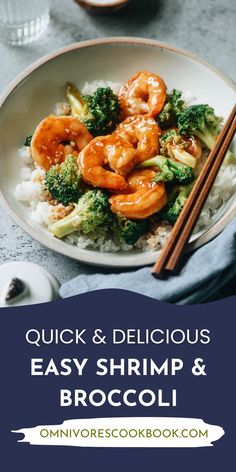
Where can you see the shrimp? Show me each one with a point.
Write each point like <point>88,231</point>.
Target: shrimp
<point>143,94</point>
<point>143,133</point>
<point>57,136</point>
<point>103,151</point>
<point>145,197</point>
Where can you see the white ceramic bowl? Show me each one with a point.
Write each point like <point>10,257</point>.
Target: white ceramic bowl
<point>34,93</point>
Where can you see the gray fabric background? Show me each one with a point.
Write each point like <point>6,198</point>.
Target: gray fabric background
<point>206,27</point>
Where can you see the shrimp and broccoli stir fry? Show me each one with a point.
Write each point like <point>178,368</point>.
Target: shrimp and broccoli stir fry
<point>118,163</point>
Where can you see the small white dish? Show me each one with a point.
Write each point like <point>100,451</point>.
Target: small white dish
<point>40,286</point>
<point>34,93</point>
<point>102,6</point>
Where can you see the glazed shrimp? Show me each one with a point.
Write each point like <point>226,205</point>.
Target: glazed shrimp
<point>143,133</point>
<point>103,151</point>
<point>145,197</point>
<point>57,136</point>
<point>143,94</point>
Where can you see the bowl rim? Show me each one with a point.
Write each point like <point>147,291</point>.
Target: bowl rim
<point>65,248</point>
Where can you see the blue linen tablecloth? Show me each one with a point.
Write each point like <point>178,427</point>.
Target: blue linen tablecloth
<point>203,273</point>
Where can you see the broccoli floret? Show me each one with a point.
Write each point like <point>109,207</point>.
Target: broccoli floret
<point>170,170</point>
<point>201,121</point>
<point>173,209</point>
<point>128,231</point>
<point>92,216</point>
<point>28,140</point>
<point>99,112</point>
<point>64,181</point>
<point>173,107</point>
<point>174,144</point>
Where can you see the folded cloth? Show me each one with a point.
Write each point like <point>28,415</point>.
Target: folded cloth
<point>203,273</point>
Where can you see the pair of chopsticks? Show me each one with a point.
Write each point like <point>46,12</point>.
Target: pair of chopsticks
<point>182,230</point>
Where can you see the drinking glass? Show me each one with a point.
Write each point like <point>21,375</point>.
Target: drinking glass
<point>22,21</point>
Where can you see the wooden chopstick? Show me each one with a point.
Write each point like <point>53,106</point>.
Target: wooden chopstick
<point>197,208</point>
<point>178,227</point>
<point>184,226</point>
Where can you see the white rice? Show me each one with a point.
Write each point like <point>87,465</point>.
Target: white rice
<point>25,155</point>
<point>103,244</point>
<point>62,108</point>
<point>30,189</point>
<point>223,189</point>
<point>31,192</point>
<point>90,87</point>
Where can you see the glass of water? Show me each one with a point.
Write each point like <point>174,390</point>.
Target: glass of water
<point>23,21</point>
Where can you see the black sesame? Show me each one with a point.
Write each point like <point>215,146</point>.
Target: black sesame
<point>16,288</point>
